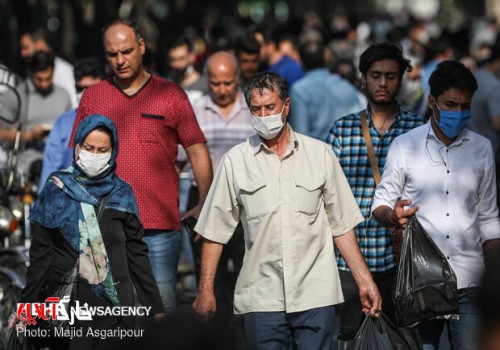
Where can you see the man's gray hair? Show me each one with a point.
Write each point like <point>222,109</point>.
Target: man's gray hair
<point>266,81</point>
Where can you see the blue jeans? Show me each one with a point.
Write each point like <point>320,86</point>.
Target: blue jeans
<point>311,329</point>
<point>164,249</point>
<point>464,333</point>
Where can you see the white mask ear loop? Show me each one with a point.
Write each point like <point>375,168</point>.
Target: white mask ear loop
<point>434,102</point>
<point>429,152</point>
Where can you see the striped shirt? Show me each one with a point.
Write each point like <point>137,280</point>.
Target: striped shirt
<point>346,138</point>
<point>223,133</point>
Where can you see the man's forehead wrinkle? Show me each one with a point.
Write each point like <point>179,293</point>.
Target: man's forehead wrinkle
<point>262,90</point>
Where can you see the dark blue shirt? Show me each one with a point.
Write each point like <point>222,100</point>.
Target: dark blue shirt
<point>288,68</point>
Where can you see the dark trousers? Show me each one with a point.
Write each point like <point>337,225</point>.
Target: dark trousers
<point>310,329</point>
<point>350,311</point>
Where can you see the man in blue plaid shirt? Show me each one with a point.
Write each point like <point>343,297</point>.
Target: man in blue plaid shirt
<point>382,66</point>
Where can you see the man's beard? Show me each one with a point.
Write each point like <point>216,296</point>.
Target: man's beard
<point>178,75</point>
<point>45,92</point>
<point>388,102</point>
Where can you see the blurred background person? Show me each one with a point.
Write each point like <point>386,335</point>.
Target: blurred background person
<point>247,50</point>
<point>319,97</point>
<point>181,58</point>
<point>438,50</point>
<point>10,110</point>
<point>417,38</point>
<point>470,62</point>
<point>46,101</point>
<point>38,39</point>
<point>273,59</point>
<point>288,44</point>
<point>412,96</point>
<point>57,155</point>
<point>485,107</point>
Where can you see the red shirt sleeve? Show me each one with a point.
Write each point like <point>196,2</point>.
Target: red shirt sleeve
<point>188,129</point>
<point>80,114</point>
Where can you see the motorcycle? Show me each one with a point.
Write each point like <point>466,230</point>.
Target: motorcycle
<point>14,205</point>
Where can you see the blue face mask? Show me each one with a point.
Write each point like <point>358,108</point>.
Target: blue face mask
<point>452,123</point>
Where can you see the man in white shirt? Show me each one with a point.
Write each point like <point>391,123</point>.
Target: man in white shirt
<point>446,175</point>
<point>294,202</point>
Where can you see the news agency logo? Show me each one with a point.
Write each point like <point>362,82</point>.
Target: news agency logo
<point>53,308</point>
<point>57,309</point>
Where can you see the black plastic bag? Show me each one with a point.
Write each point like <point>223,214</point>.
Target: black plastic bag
<point>426,286</point>
<point>66,289</point>
<point>18,343</point>
<point>377,334</point>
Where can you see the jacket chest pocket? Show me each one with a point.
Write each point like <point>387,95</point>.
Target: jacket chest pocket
<point>253,197</point>
<point>307,196</point>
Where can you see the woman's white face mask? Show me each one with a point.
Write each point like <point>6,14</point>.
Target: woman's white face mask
<point>93,164</point>
<point>270,126</point>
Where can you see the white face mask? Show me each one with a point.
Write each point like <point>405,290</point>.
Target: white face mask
<point>411,89</point>
<point>268,127</point>
<point>93,164</point>
<point>423,37</point>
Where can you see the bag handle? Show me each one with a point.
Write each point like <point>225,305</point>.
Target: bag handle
<point>100,209</point>
<point>369,148</point>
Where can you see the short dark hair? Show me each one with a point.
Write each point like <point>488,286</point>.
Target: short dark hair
<point>346,69</point>
<point>179,41</point>
<point>382,51</point>
<point>266,81</point>
<point>451,74</point>
<point>247,44</point>
<point>269,33</point>
<point>89,67</point>
<point>41,61</point>
<point>312,55</point>
<point>39,33</point>
<point>438,46</point>
<point>126,22</point>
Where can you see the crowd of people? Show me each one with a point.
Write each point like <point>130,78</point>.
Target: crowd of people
<point>306,156</point>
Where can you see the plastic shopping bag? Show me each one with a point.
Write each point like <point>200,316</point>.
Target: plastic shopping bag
<point>377,334</point>
<point>426,286</point>
<point>18,342</point>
